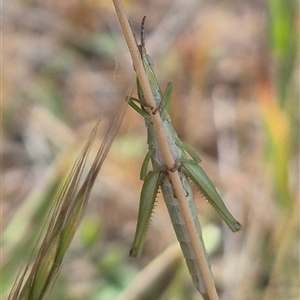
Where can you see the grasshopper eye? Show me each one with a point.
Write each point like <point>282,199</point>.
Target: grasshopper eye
<point>149,61</point>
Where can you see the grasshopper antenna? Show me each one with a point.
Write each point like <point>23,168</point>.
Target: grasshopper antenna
<point>143,32</point>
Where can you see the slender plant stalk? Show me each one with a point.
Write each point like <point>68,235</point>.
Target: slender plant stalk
<point>169,161</point>
<point>151,282</point>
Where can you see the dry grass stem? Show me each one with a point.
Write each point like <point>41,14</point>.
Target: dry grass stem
<point>170,163</point>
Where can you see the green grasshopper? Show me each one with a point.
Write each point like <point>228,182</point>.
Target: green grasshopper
<point>188,168</point>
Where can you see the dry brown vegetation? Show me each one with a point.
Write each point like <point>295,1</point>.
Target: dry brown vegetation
<point>236,85</point>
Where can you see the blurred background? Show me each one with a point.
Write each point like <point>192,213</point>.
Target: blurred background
<point>235,70</point>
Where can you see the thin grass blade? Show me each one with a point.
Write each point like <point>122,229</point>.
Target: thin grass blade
<point>69,205</point>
